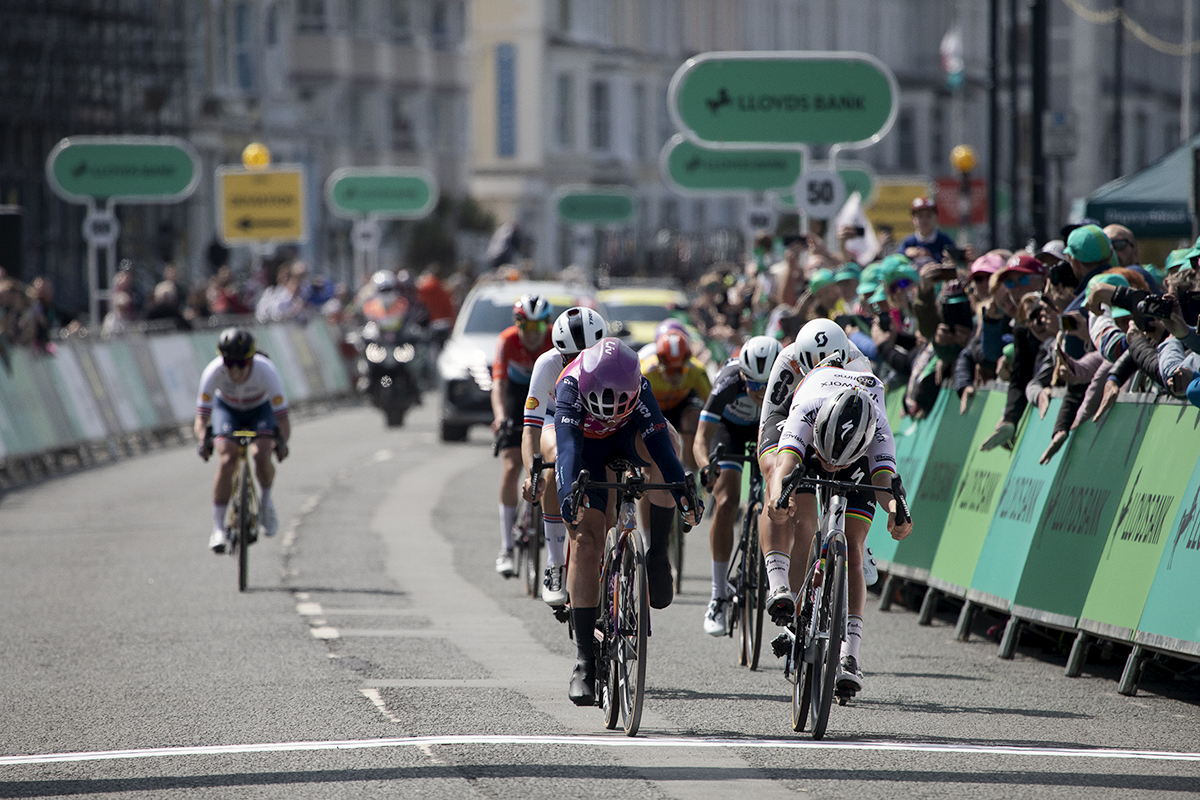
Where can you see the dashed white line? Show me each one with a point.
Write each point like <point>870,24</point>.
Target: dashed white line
<point>423,742</point>
<point>377,700</point>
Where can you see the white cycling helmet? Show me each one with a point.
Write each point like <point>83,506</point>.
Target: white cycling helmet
<point>577,329</point>
<point>531,308</point>
<point>820,339</point>
<point>845,427</point>
<point>758,356</point>
<point>384,281</point>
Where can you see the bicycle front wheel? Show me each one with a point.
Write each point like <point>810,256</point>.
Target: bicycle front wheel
<point>533,552</point>
<point>606,639</point>
<point>832,614</point>
<point>675,550</point>
<point>753,595</point>
<point>808,653</point>
<point>632,613</point>
<point>243,531</point>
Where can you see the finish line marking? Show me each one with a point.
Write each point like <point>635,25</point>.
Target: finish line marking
<point>423,742</point>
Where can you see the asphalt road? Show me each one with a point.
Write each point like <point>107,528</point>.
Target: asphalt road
<point>130,666</point>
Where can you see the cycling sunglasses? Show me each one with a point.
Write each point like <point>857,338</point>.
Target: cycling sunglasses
<point>236,363</point>
<point>754,386</point>
<point>1012,283</point>
<point>532,325</point>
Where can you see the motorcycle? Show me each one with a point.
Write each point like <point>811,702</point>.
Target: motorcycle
<point>389,363</point>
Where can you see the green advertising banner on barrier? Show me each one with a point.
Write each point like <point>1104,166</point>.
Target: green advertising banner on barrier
<point>931,502</point>
<point>1079,512</point>
<point>974,503</point>
<point>1138,536</point>
<point>1018,511</point>
<point>913,438</point>
<point>1171,617</point>
<point>322,339</point>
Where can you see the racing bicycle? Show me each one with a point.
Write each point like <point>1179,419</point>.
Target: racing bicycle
<point>529,532</point>
<point>623,624</point>
<point>812,642</point>
<point>241,527</point>
<point>747,570</point>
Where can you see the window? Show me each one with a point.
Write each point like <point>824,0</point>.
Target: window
<point>404,135</point>
<point>445,128</point>
<point>272,25</point>
<point>564,111</point>
<point>906,141</point>
<point>400,20</point>
<point>358,21</point>
<point>506,100</point>
<point>639,121</point>
<point>243,35</point>
<point>446,23</point>
<point>601,113</point>
<point>310,16</point>
<point>564,17</point>
<point>359,120</point>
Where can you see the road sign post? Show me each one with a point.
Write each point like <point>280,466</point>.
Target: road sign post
<point>368,195</point>
<point>102,171</point>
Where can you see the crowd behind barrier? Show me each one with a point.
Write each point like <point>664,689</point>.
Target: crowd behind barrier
<point>1103,541</point>
<point>94,390</point>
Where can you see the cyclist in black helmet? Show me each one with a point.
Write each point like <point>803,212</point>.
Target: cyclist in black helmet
<point>241,390</point>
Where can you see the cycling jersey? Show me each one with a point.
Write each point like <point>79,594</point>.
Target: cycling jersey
<point>514,361</point>
<point>822,383</point>
<point>670,393</point>
<point>584,441</point>
<point>729,401</point>
<point>785,375</point>
<point>539,404</point>
<point>262,385</point>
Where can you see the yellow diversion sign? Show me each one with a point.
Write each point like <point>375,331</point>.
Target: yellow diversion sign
<point>261,205</point>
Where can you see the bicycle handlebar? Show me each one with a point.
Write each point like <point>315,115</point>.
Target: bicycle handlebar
<point>799,476</point>
<point>636,485</point>
<point>535,472</point>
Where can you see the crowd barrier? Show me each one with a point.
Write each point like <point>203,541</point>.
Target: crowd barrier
<point>1103,541</point>
<point>93,390</point>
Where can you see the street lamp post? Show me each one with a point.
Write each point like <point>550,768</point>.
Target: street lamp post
<point>962,158</point>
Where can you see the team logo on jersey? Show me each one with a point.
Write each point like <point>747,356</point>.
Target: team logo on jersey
<point>531,404</point>
<point>867,381</point>
<point>277,400</point>
<point>206,398</point>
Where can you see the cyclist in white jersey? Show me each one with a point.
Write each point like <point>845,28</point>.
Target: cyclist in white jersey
<point>241,390</point>
<point>836,426</point>
<point>575,330</point>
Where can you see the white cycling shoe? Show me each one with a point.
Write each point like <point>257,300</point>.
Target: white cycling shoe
<point>270,521</point>
<point>849,675</point>
<point>716,618</point>
<point>217,542</point>
<point>870,570</point>
<point>554,590</point>
<point>505,565</point>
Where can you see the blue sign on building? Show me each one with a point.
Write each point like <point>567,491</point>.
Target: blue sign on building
<point>506,100</point>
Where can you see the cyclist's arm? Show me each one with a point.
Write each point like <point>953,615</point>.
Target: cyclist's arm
<point>653,426</point>
<point>204,398</point>
<point>531,445</point>
<point>500,379</point>
<point>568,434</point>
<point>726,391</point>
<point>705,432</point>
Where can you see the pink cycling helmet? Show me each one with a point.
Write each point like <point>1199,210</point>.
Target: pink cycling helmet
<point>610,379</point>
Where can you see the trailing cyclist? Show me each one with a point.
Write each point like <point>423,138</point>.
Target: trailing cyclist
<point>680,385</point>
<point>517,349</point>
<point>575,329</point>
<point>837,428</point>
<point>241,390</point>
<point>730,420</point>
<point>604,410</point>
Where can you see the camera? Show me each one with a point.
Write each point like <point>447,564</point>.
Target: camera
<point>1162,306</point>
<point>957,253</point>
<point>956,310</point>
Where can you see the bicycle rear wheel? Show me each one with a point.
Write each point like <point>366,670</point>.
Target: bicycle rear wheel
<point>533,552</point>
<point>632,613</point>
<point>806,670</point>
<point>753,595</point>
<point>675,548</point>
<point>245,521</point>
<point>834,608</point>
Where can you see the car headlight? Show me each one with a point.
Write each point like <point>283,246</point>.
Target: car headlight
<point>405,353</point>
<point>375,353</point>
<point>483,377</point>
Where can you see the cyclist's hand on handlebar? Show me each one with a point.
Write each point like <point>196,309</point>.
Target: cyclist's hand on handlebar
<point>691,516</point>
<point>779,515</point>
<point>574,516</point>
<point>281,450</point>
<point>205,449</point>
<point>708,475</point>
<point>527,490</point>
<point>899,531</point>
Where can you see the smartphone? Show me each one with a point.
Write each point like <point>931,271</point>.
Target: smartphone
<point>885,322</point>
<point>1189,304</point>
<point>957,253</point>
<point>945,274</point>
<point>1069,322</point>
<point>859,230</point>
<point>795,239</point>
<point>1157,305</point>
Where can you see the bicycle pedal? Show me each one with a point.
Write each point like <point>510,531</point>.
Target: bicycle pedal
<point>781,645</point>
<point>561,613</point>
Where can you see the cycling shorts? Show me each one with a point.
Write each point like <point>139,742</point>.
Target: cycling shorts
<point>735,438</point>
<point>227,419</point>
<point>597,454</point>
<point>675,415</point>
<point>514,409</point>
<point>859,503</point>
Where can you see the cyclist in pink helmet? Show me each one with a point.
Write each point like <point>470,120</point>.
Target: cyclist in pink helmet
<point>604,410</point>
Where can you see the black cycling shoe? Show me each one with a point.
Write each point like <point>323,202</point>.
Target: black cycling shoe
<point>660,582</point>
<point>583,684</point>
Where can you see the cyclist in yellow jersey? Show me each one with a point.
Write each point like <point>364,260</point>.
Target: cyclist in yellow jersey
<point>680,385</point>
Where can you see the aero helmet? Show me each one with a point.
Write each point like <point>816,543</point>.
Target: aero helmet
<point>845,427</point>
<point>237,344</point>
<point>819,339</point>
<point>577,329</point>
<point>531,308</point>
<point>610,379</point>
<point>758,356</point>
<point>673,349</point>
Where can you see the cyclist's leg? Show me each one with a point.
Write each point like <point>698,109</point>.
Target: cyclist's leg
<point>727,494</point>
<point>224,422</point>
<point>556,531</point>
<point>511,469</point>
<point>860,509</point>
<point>659,517</point>
<point>587,551</point>
<point>689,421</point>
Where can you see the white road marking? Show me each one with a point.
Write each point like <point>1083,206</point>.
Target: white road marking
<point>309,609</point>
<point>324,633</point>
<point>423,742</point>
<point>381,456</point>
<point>377,700</point>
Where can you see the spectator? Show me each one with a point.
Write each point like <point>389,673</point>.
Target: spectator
<point>284,300</point>
<point>42,318</point>
<point>926,240</point>
<point>1126,249</point>
<point>122,314</point>
<point>223,297</point>
<point>196,306</point>
<point>165,305</point>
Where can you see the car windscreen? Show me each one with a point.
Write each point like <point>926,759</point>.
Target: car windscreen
<point>489,317</point>
<point>638,313</point>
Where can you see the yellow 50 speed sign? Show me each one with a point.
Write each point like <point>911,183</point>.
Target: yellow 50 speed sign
<point>261,205</point>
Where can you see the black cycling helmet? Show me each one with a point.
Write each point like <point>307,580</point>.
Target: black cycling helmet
<point>237,344</point>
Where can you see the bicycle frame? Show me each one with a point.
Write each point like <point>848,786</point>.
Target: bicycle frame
<point>243,502</point>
